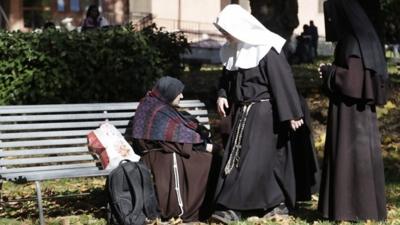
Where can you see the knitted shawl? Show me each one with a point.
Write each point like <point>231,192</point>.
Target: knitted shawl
<point>157,120</point>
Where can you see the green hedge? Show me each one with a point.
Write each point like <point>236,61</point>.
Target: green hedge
<point>117,64</point>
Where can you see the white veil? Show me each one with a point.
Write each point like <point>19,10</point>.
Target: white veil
<point>255,40</point>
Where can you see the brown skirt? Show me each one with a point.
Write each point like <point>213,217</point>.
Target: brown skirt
<point>193,170</point>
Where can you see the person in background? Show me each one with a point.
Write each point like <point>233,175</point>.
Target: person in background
<point>49,25</point>
<point>352,182</point>
<point>313,30</point>
<point>257,86</point>
<point>305,49</point>
<point>176,149</point>
<point>94,19</point>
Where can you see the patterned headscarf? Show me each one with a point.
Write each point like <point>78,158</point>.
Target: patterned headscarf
<point>157,119</point>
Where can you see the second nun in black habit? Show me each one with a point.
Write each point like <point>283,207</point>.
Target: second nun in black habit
<point>257,86</point>
<point>352,183</point>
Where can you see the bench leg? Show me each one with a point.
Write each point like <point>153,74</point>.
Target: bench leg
<point>39,201</point>
<point>1,190</point>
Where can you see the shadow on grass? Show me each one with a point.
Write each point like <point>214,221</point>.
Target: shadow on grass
<point>93,202</point>
<point>306,212</point>
<point>393,193</point>
<point>392,166</point>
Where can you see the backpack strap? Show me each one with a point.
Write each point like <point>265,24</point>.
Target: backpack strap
<point>129,170</point>
<point>150,200</point>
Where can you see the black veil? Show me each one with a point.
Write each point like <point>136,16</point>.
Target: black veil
<point>343,17</point>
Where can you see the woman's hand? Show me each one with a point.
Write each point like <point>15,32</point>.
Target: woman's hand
<point>222,103</point>
<point>322,69</point>
<point>295,124</point>
<point>209,147</point>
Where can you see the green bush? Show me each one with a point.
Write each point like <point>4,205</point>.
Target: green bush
<point>117,64</point>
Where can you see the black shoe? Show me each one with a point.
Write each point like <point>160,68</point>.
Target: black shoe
<point>280,210</point>
<point>224,217</point>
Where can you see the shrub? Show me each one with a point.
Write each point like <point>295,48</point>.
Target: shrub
<point>116,64</point>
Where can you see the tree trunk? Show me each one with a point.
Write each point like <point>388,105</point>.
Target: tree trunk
<point>279,16</point>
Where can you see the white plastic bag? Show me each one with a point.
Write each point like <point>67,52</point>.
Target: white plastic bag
<point>107,142</point>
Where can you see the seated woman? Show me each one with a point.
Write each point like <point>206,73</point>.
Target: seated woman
<point>174,149</point>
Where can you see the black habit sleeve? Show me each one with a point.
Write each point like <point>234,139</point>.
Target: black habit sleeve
<point>223,86</point>
<point>283,88</point>
<point>354,82</point>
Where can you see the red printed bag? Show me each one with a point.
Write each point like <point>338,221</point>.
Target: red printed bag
<point>111,147</point>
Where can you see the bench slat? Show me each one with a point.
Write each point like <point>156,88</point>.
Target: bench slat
<point>84,107</point>
<point>48,168</point>
<point>77,105</point>
<point>47,126</point>
<point>82,116</point>
<point>93,108</point>
<point>52,117</point>
<point>50,175</point>
<point>70,108</point>
<point>183,102</point>
<point>47,142</point>
<point>33,152</point>
<point>39,160</point>
<point>203,120</point>
<point>47,134</point>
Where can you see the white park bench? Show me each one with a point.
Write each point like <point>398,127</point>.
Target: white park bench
<point>45,142</point>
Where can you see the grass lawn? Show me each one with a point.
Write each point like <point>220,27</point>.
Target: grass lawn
<point>18,205</point>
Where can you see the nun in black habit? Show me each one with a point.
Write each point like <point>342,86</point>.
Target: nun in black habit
<point>257,87</point>
<point>352,183</point>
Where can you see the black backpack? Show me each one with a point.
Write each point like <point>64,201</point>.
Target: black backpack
<point>131,194</point>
